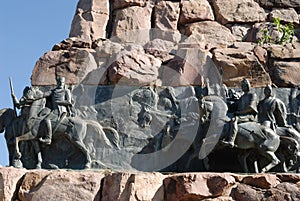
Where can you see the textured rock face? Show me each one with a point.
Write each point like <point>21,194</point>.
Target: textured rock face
<point>237,63</point>
<point>166,14</point>
<point>189,67</point>
<point>209,34</point>
<point>285,15</point>
<point>90,20</point>
<point>131,186</point>
<point>279,4</point>
<point>104,28</point>
<point>9,179</point>
<point>232,11</point>
<point>193,11</point>
<point>60,185</point>
<point>197,186</point>
<point>132,24</point>
<point>285,65</point>
<point>73,64</point>
<point>134,68</point>
<point>126,3</point>
<point>87,185</point>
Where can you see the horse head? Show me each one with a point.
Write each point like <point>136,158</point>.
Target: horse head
<point>7,115</point>
<point>205,109</point>
<point>212,106</point>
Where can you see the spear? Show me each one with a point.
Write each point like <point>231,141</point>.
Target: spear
<point>12,95</point>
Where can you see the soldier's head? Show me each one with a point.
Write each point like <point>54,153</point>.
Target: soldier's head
<point>61,82</point>
<point>246,85</point>
<point>26,90</point>
<point>268,91</point>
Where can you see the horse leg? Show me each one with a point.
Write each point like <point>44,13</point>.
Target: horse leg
<point>77,139</point>
<point>39,154</point>
<point>17,163</point>
<point>206,163</point>
<point>25,137</point>
<point>191,157</point>
<point>79,144</point>
<point>17,155</point>
<point>274,161</point>
<point>243,161</point>
<point>256,166</point>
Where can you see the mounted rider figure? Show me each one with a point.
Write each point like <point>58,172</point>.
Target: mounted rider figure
<point>246,111</point>
<point>60,106</point>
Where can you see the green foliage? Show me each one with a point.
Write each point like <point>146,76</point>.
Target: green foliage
<point>287,33</point>
<point>266,37</point>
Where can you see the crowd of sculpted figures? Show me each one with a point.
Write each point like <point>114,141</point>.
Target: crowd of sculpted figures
<point>256,130</point>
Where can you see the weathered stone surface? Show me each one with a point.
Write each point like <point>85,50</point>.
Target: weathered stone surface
<point>284,52</point>
<point>209,34</point>
<point>132,25</point>
<point>60,185</point>
<point>284,191</point>
<point>286,74</point>
<point>244,192</point>
<point>25,185</point>
<point>133,186</point>
<point>166,14</point>
<point>240,31</point>
<point>261,54</point>
<point>256,33</point>
<point>117,4</point>
<point>285,15</point>
<point>9,179</point>
<point>195,10</point>
<point>261,181</point>
<point>279,3</point>
<point>237,63</point>
<point>73,64</point>
<point>196,186</point>
<point>292,178</point>
<point>243,46</point>
<point>71,42</point>
<point>90,20</point>
<point>234,11</point>
<point>189,67</point>
<point>105,48</point>
<point>165,50</point>
<point>134,68</point>
<point>169,35</point>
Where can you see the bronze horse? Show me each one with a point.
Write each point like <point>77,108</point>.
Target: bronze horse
<point>74,128</point>
<point>12,126</point>
<point>251,135</point>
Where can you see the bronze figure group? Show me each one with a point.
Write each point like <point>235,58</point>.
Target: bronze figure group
<point>257,130</point>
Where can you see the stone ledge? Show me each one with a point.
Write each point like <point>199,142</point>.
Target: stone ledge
<point>25,185</point>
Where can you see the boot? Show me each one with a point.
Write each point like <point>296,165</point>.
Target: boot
<point>48,137</point>
<point>232,135</point>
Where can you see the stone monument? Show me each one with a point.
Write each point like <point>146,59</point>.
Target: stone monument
<point>194,87</point>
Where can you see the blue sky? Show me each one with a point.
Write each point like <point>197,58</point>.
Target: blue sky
<point>28,30</point>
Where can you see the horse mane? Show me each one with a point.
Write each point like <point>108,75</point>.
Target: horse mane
<point>2,111</point>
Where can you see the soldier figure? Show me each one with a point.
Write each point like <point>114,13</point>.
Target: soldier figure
<point>246,110</point>
<point>272,111</point>
<point>59,105</point>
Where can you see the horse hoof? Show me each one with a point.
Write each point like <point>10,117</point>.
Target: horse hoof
<point>87,166</point>
<point>17,163</point>
<point>18,155</point>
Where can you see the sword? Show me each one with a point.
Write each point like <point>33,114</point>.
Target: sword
<point>12,94</point>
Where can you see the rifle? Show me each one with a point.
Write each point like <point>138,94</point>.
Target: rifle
<point>12,95</point>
